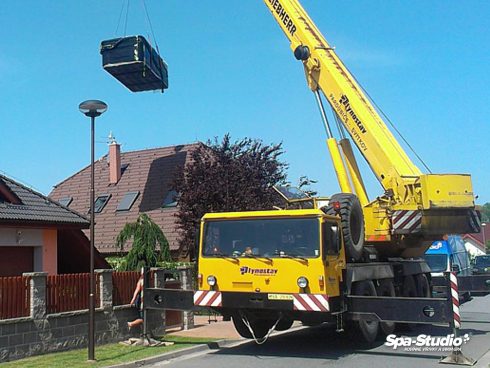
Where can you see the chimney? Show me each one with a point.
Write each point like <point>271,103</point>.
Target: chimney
<point>114,160</point>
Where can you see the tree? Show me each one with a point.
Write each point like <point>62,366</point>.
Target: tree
<point>485,212</point>
<point>146,237</point>
<point>227,176</point>
<point>305,183</point>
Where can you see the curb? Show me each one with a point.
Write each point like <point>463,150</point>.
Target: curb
<point>215,345</point>
<point>484,361</point>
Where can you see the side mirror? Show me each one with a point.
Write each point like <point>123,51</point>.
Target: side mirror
<point>456,268</point>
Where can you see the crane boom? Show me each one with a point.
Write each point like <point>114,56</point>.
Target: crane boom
<point>414,205</point>
<point>325,71</point>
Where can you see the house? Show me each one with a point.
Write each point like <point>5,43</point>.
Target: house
<point>38,234</point>
<point>475,243</point>
<point>126,185</point>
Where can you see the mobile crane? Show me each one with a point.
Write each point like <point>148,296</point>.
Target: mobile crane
<point>265,269</point>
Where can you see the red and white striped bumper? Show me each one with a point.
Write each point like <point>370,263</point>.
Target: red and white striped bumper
<point>295,302</point>
<point>207,298</point>
<point>406,222</point>
<point>311,302</point>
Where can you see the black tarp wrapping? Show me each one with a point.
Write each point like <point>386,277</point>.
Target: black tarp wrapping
<point>133,62</point>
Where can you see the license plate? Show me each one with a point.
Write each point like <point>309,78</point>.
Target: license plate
<point>279,297</point>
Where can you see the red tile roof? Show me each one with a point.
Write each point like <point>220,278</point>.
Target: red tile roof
<point>20,205</point>
<point>482,237</point>
<point>150,171</point>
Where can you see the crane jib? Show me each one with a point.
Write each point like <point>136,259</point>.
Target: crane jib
<point>348,109</point>
<point>283,16</point>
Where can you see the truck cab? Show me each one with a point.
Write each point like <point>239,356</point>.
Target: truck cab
<point>448,255</point>
<point>266,266</point>
<point>481,265</point>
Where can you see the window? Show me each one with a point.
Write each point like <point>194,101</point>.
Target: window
<point>274,238</point>
<point>100,202</point>
<point>66,201</point>
<point>171,199</point>
<point>127,201</point>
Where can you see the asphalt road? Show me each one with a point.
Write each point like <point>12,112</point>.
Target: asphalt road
<point>323,347</point>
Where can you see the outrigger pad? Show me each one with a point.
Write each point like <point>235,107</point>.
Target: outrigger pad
<point>134,63</point>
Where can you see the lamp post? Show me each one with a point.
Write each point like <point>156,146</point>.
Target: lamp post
<point>483,224</point>
<point>92,109</point>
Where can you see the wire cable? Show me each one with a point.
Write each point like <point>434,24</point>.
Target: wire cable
<point>151,26</point>
<point>390,122</point>
<point>126,21</point>
<point>119,19</point>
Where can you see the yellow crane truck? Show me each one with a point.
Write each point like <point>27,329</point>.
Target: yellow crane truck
<point>354,261</point>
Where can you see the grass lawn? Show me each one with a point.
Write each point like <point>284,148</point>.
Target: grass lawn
<point>106,355</point>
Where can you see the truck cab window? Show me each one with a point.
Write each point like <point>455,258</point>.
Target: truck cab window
<point>331,238</point>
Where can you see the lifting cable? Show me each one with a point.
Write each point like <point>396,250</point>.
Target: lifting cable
<point>148,22</point>
<point>120,17</point>
<point>390,122</point>
<point>125,5</point>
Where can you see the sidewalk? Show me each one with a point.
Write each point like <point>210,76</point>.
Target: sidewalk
<point>204,328</point>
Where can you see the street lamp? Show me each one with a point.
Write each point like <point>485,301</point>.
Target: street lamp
<point>92,109</point>
<point>483,224</point>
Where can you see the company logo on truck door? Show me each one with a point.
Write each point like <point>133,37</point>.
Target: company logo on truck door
<point>348,109</point>
<point>281,13</point>
<point>258,271</point>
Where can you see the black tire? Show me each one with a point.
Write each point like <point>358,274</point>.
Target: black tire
<point>260,327</point>
<point>409,287</point>
<point>386,288</point>
<point>284,324</point>
<point>352,221</point>
<point>240,327</point>
<point>369,329</point>
<point>409,290</point>
<point>423,286</point>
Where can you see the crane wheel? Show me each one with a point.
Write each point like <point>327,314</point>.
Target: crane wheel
<point>409,287</point>
<point>386,288</point>
<point>352,221</point>
<point>240,327</point>
<point>423,286</point>
<point>369,329</point>
<point>409,290</point>
<point>260,327</point>
<point>284,324</point>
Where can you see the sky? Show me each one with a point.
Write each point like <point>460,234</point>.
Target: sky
<point>425,63</point>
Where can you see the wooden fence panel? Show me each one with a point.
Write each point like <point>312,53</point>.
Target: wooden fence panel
<point>69,292</point>
<point>14,297</point>
<point>123,284</point>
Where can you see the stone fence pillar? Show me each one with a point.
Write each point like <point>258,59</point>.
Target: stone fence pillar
<point>158,282</point>
<point>159,277</point>
<point>186,279</point>
<point>105,285</point>
<point>38,294</point>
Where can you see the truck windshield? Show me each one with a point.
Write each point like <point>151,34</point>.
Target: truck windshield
<point>482,261</point>
<point>262,238</point>
<point>436,262</point>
